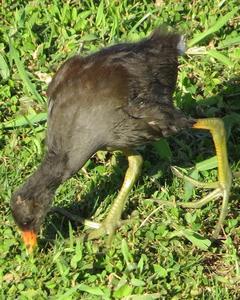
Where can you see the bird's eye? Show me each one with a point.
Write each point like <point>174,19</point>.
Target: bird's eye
<point>27,222</point>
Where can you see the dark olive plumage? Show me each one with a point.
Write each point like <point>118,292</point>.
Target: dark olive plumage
<point>117,98</point>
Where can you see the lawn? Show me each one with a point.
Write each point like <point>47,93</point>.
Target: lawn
<point>163,252</point>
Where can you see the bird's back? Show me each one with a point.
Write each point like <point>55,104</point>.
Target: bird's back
<point>125,91</point>
<point>151,65</point>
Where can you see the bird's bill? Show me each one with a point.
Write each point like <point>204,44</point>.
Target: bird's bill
<point>30,240</point>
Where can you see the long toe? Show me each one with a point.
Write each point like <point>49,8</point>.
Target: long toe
<point>107,228</point>
<point>75,218</point>
<point>206,185</point>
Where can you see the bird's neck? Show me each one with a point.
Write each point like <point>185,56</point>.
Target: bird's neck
<point>54,170</point>
<point>42,184</point>
<point>50,173</point>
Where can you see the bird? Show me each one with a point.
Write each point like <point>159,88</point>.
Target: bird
<point>118,98</point>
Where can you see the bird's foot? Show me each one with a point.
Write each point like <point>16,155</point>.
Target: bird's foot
<point>96,230</point>
<point>220,189</point>
<point>113,219</point>
<point>107,227</point>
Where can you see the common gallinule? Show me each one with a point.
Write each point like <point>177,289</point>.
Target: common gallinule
<point>115,99</point>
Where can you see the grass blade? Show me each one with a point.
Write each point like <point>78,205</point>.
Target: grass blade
<point>230,121</point>
<point>218,25</point>
<point>25,120</point>
<point>196,239</point>
<point>139,22</point>
<point>207,164</point>
<point>188,187</point>
<point>4,70</point>
<point>162,149</point>
<point>23,74</point>
<point>100,14</point>
<point>220,57</point>
<point>229,42</point>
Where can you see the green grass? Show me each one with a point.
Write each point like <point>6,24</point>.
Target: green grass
<point>165,253</point>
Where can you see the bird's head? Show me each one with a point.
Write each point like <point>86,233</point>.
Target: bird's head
<point>28,214</point>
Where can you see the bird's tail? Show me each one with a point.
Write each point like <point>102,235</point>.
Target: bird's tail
<point>167,41</point>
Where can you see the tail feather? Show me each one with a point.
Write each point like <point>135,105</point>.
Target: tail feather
<point>181,46</point>
<point>168,40</point>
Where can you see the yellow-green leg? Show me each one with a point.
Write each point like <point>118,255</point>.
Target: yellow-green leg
<point>113,219</point>
<point>223,185</point>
